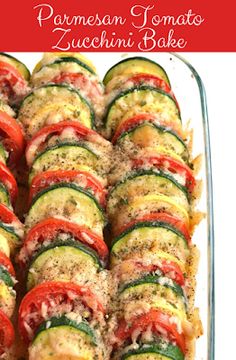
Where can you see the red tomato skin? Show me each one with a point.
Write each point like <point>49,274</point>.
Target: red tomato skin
<point>7,334</point>
<point>153,317</point>
<point>55,129</point>
<point>47,178</point>
<point>49,228</point>
<point>135,121</point>
<point>162,217</point>
<point>173,165</point>
<point>13,137</point>
<point>9,182</point>
<point>58,292</point>
<point>6,262</point>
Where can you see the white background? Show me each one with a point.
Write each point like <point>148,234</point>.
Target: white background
<point>218,72</point>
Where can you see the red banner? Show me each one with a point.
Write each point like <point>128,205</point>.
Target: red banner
<point>141,25</point>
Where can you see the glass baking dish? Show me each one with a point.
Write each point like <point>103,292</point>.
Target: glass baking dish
<point>189,90</point>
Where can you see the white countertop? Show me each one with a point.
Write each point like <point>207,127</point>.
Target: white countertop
<point>218,72</point>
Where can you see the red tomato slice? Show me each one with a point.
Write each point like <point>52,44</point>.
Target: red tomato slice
<point>9,182</point>
<point>50,295</point>
<point>49,228</point>
<point>137,120</point>
<point>47,178</point>
<point>162,217</point>
<point>6,262</point>
<point>11,72</point>
<point>9,78</point>
<point>79,81</point>
<point>71,78</point>
<point>39,140</point>
<point>168,268</point>
<point>12,137</point>
<point>168,163</point>
<point>7,216</point>
<point>148,79</point>
<point>153,318</point>
<point>7,334</point>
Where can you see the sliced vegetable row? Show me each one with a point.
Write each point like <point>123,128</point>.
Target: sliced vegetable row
<point>150,208</point>
<point>64,253</point>
<point>13,85</point>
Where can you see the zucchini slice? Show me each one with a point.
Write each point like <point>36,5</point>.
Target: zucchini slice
<point>149,204</point>
<point>64,156</point>
<point>145,182</point>
<point>51,57</point>
<point>6,277</point>
<point>141,100</point>
<point>23,70</point>
<point>61,65</point>
<point>7,298</point>
<point>66,321</point>
<point>72,61</point>
<point>152,135</point>
<point>4,245</point>
<point>62,261</point>
<point>7,109</point>
<point>157,291</point>
<point>9,238</point>
<point>4,196</point>
<point>149,236</point>
<point>62,338</point>
<point>3,154</point>
<point>155,351</point>
<point>153,279</point>
<point>54,103</point>
<point>68,201</point>
<point>135,65</point>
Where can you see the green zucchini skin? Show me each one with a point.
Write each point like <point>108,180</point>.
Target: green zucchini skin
<point>4,195</point>
<point>158,127</point>
<point>64,145</point>
<point>9,233</point>
<point>170,107</point>
<point>142,236</point>
<point>69,243</point>
<point>69,186</point>
<point>149,224</point>
<point>48,86</point>
<point>6,277</point>
<point>66,322</point>
<point>155,279</point>
<point>137,88</point>
<point>69,89</point>
<point>3,156</point>
<point>71,60</point>
<point>169,351</point>
<point>68,254</point>
<point>63,196</point>
<point>62,150</point>
<point>159,173</point>
<point>18,64</point>
<point>109,74</point>
<point>176,141</point>
<point>77,61</point>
